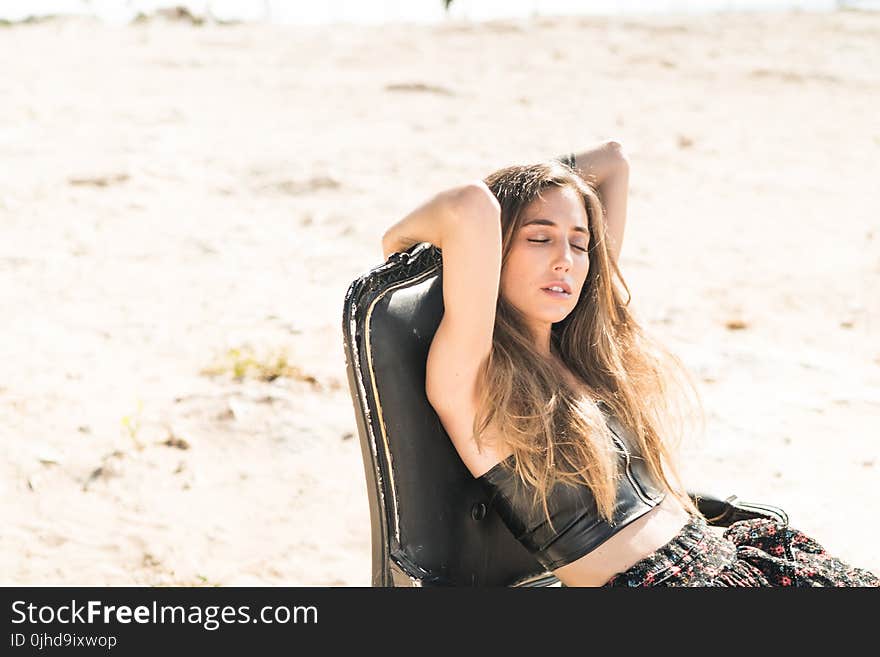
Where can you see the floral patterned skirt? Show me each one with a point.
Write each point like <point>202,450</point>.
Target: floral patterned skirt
<point>755,552</point>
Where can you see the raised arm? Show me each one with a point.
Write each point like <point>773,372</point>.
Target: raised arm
<point>431,221</point>
<point>465,223</point>
<point>607,167</point>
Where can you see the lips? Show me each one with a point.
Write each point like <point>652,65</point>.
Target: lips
<point>565,286</point>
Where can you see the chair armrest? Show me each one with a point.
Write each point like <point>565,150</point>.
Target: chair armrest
<point>404,573</point>
<point>723,513</point>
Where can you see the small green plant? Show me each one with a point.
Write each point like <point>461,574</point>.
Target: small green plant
<point>131,425</point>
<point>244,362</point>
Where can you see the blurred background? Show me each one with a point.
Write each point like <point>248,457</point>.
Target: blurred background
<point>300,12</point>
<point>189,188</point>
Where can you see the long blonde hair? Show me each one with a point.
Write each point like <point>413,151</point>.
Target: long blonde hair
<point>556,433</point>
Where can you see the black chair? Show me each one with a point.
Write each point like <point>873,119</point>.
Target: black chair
<point>432,523</point>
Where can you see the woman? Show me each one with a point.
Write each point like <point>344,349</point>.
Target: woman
<point>558,402</point>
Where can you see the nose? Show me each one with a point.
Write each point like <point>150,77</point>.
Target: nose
<point>563,260</point>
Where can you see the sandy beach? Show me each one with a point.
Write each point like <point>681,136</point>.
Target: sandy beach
<point>182,204</point>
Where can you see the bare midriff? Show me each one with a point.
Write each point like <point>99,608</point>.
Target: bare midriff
<point>627,547</point>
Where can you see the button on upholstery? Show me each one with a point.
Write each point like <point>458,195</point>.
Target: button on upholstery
<point>478,511</point>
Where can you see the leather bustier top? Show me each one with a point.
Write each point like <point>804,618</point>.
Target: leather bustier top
<point>579,527</point>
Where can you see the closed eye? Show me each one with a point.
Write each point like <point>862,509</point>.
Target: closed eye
<point>579,248</point>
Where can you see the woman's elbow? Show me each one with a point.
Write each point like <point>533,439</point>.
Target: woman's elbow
<point>474,199</point>
<point>387,248</point>
<point>616,152</point>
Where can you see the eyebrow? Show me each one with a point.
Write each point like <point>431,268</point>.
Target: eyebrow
<point>547,222</point>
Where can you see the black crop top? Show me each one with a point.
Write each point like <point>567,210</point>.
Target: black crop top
<point>579,527</point>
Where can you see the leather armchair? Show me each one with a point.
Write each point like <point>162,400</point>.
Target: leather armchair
<point>432,524</point>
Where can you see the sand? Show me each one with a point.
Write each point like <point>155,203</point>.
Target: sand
<point>172,193</point>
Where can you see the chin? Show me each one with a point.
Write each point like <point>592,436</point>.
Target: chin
<point>551,317</point>
<point>544,314</point>
<point>559,313</point>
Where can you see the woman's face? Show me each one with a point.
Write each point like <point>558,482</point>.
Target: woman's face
<point>549,247</point>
